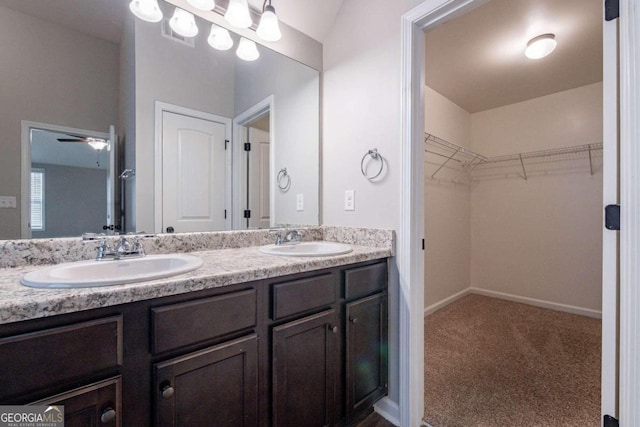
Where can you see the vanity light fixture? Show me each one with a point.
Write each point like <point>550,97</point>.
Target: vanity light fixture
<point>540,46</point>
<point>269,29</point>
<point>238,14</point>
<point>147,10</point>
<point>202,4</point>
<point>219,38</point>
<point>183,23</point>
<point>247,50</point>
<point>97,143</point>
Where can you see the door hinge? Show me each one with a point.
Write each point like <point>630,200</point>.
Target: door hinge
<point>225,214</point>
<point>247,213</point>
<point>611,9</point>
<point>423,244</point>
<point>247,146</point>
<point>609,421</point>
<point>612,217</point>
<point>226,144</point>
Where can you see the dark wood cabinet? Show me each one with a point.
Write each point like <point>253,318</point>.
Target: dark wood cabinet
<point>217,386</point>
<point>305,367</point>
<point>97,404</point>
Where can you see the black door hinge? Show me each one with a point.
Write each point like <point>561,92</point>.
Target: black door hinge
<point>609,421</point>
<point>612,217</point>
<point>423,244</point>
<point>247,213</point>
<point>247,146</point>
<point>226,144</point>
<point>225,214</point>
<point>611,9</point>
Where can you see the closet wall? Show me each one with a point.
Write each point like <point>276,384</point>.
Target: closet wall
<point>536,240</point>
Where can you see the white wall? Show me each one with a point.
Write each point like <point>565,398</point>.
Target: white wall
<point>540,238</point>
<point>49,74</point>
<point>447,207</point>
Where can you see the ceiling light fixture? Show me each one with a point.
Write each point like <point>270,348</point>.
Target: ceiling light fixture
<point>202,4</point>
<point>97,143</point>
<point>238,14</point>
<point>147,10</point>
<point>269,29</point>
<point>219,38</point>
<point>541,46</point>
<point>247,50</point>
<point>183,23</point>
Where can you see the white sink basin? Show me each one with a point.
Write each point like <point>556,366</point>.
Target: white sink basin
<point>307,249</point>
<point>86,274</point>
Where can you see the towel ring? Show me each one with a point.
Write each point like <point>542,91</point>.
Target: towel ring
<point>375,156</point>
<point>283,179</point>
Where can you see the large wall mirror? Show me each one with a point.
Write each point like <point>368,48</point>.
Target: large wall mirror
<point>184,137</point>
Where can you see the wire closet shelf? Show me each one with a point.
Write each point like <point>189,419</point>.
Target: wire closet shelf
<point>462,161</point>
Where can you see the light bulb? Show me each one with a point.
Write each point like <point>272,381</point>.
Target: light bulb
<point>183,23</point>
<point>147,10</point>
<point>202,4</point>
<point>219,38</point>
<point>247,50</point>
<point>238,14</point>
<point>541,46</point>
<point>269,29</point>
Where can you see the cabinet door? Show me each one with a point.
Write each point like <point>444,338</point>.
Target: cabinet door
<point>304,371</point>
<point>366,355</point>
<point>217,386</point>
<point>98,404</point>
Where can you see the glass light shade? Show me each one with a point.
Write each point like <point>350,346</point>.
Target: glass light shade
<point>202,4</point>
<point>147,10</point>
<point>219,38</point>
<point>247,50</point>
<point>97,144</point>
<point>541,46</point>
<point>269,29</point>
<point>183,23</point>
<point>238,14</point>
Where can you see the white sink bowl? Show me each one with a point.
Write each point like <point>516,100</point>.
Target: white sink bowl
<point>307,249</point>
<point>87,274</point>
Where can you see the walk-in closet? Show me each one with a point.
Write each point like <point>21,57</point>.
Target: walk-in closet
<point>513,189</point>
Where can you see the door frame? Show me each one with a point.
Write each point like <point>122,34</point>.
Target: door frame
<point>409,251</point>
<point>160,109</point>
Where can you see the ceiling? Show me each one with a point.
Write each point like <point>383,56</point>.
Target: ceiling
<point>477,60</point>
<point>105,18</point>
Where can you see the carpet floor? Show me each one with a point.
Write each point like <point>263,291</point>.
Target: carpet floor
<point>490,363</point>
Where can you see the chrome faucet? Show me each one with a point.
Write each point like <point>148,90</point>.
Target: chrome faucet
<point>291,237</point>
<point>123,249</point>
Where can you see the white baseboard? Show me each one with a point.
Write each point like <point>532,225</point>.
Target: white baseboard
<point>437,306</point>
<point>388,409</point>
<point>539,303</point>
<point>515,298</point>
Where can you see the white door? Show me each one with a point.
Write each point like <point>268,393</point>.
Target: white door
<point>195,180</point>
<point>258,179</point>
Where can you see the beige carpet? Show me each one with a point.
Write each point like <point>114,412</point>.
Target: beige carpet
<point>490,362</point>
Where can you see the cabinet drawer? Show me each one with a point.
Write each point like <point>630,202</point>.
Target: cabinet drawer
<point>302,295</point>
<point>179,325</point>
<point>363,281</point>
<point>40,359</point>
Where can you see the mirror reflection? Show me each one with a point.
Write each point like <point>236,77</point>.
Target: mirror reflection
<point>183,116</point>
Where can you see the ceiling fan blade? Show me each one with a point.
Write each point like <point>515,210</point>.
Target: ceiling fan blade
<point>71,140</point>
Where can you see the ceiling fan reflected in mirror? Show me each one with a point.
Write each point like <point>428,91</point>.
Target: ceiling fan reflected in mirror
<point>95,143</point>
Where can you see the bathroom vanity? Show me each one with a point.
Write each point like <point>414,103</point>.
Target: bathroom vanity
<point>278,341</point>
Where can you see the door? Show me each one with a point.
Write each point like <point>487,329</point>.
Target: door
<point>258,179</point>
<point>304,371</point>
<point>195,176</point>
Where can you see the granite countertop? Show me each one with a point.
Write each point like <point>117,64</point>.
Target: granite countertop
<point>221,267</point>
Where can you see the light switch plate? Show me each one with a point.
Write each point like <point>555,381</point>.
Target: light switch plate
<point>300,202</point>
<point>349,200</point>
<point>8,202</point>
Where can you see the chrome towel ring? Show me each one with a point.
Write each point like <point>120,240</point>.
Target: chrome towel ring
<point>283,179</point>
<point>375,156</point>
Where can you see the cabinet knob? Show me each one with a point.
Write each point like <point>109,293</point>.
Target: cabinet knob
<point>167,391</point>
<point>333,329</point>
<point>108,415</point>
<point>353,319</point>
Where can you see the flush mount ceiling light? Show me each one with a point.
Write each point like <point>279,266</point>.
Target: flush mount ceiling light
<point>269,29</point>
<point>97,143</point>
<point>247,50</point>
<point>183,23</point>
<point>202,4</point>
<point>147,10</point>
<point>541,46</point>
<point>238,14</point>
<point>219,38</point>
